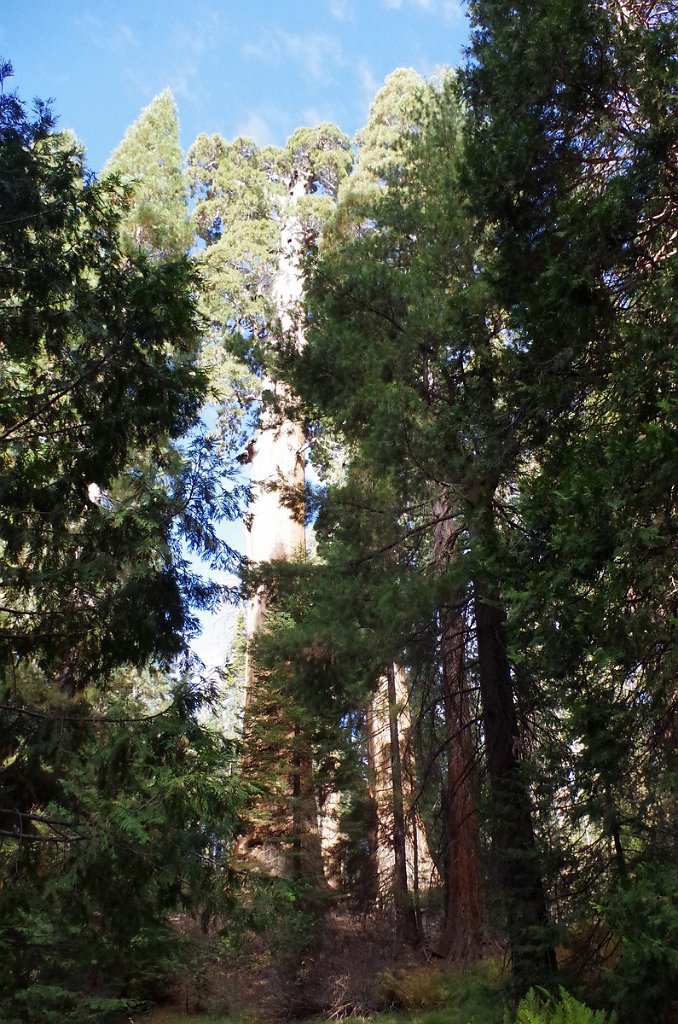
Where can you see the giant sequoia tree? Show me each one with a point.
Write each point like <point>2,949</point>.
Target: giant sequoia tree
<point>494,323</point>
<point>257,211</point>
<point>470,323</point>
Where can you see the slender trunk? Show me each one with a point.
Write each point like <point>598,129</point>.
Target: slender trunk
<point>515,850</point>
<point>464,932</point>
<point>377,845</point>
<point>329,811</point>
<point>307,851</point>
<point>407,922</point>
<point>391,790</point>
<point>612,818</point>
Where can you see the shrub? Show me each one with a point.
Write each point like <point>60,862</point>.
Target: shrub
<point>415,988</point>
<point>643,913</point>
<point>473,994</point>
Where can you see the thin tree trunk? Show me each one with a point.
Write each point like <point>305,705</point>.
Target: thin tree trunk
<point>391,695</point>
<point>308,862</point>
<point>377,844</point>
<point>407,922</point>
<point>515,850</point>
<point>464,932</point>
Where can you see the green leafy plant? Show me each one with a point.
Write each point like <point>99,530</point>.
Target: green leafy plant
<point>474,993</point>
<point>539,1007</point>
<point>116,803</point>
<point>643,914</point>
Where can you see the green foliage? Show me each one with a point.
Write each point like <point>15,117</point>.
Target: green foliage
<point>143,807</point>
<point>51,1004</point>
<point>403,358</point>
<point>112,815</point>
<point>149,162</point>
<point>170,1017</point>
<point>243,196</point>
<point>433,995</point>
<point>491,347</point>
<point>539,1008</point>
<point>235,200</point>
<point>491,320</point>
<point>237,194</point>
<point>477,992</point>
<point>418,988</point>
<point>100,387</point>
<point>320,156</point>
<point>395,111</point>
<point>643,915</point>
<point>583,278</point>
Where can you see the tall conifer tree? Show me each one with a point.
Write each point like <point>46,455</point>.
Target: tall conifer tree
<point>258,210</point>
<point>149,161</point>
<point>572,161</point>
<point>100,386</point>
<point>402,354</point>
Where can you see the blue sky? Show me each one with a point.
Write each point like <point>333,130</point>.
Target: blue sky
<point>260,68</point>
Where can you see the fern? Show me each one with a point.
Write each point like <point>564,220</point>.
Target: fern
<point>538,1007</point>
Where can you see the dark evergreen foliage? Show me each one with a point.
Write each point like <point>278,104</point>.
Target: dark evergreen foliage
<point>108,807</point>
<point>490,376</point>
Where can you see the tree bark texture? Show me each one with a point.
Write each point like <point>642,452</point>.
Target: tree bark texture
<point>514,846</point>
<point>403,864</point>
<point>463,936</point>
<point>283,834</point>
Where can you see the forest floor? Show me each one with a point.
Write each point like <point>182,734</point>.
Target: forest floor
<point>443,1015</point>
<point>353,968</point>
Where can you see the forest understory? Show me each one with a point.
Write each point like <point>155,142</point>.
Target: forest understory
<point>352,967</point>
<point>433,371</point>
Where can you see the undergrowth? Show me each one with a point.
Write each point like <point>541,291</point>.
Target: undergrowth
<point>430,994</point>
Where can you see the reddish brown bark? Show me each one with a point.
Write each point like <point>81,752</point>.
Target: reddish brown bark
<point>464,932</point>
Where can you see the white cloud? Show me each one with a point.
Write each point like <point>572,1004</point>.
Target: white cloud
<point>312,116</point>
<point>257,126</point>
<point>188,44</point>
<point>187,41</point>
<point>450,10</point>
<point>316,53</point>
<point>127,36</point>
<point>115,39</point>
<point>342,10</point>
<point>369,83</point>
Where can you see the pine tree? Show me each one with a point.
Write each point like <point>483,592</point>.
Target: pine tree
<point>368,276</point>
<point>402,354</point>
<point>572,164</point>
<point>101,497</point>
<point>149,162</point>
